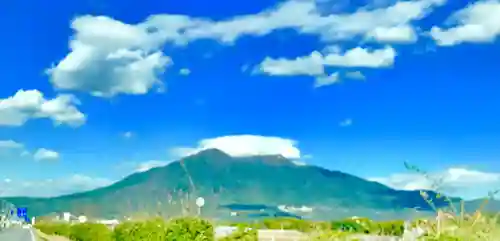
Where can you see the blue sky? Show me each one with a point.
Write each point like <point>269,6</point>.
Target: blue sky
<point>95,90</point>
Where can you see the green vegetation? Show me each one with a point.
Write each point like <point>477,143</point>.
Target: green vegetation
<point>151,230</point>
<point>59,229</point>
<point>447,227</point>
<point>243,233</point>
<point>90,231</point>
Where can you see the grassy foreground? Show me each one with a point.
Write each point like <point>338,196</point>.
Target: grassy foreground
<point>447,227</point>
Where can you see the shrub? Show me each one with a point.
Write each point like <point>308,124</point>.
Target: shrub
<point>349,226</point>
<point>189,228</point>
<point>330,235</point>
<point>77,232</point>
<point>243,233</point>
<point>90,232</point>
<point>289,224</point>
<point>61,229</point>
<point>392,228</point>
<point>154,230</point>
<point>322,226</point>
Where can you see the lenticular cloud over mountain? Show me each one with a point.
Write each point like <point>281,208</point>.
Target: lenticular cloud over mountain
<point>244,145</point>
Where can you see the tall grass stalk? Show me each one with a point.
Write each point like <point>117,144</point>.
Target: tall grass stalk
<point>458,225</point>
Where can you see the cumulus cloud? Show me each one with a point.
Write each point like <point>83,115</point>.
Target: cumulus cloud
<point>361,57</point>
<point>128,134</point>
<point>51,187</point>
<point>308,65</point>
<point>145,166</point>
<point>108,57</point>
<point>326,80</point>
<point>31,104</point>
<point>346,122</point>
<point>355,75</point>
<point>299,163</point>
<point>336,49</point>
<point>43,154</point>
<point>478,22</point>
<point>12,147</point>
<point>464,182</point>
<point>178,152</point>
<point>244,145</point>
<point>315,63</point>
<point>395,34</point>
<point>303,16</point>
<point>184,71</point>
<point>10,144</point>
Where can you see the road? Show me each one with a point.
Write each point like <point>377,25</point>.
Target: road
<point>280,235</point>
<point>17,234</point>
<point>293,235</point>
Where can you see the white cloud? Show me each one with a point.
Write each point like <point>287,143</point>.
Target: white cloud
<point>299,163</point>
<point>361,57</point>
<point>396,34</point>
<point>51,187</point>
<point>478,22</point>
<point>292,209</point>
<point>326,80</point>
<point>45,154</point>
<point>315,63</point>
<point>31,104</point>
<point>355,75</point>
<point>335,49</point>
<point>109,57</point>
<point>455,181</point>
<point>244,145</point>
<point>12,147</point>
<point>307,156</point>
<point>184,71</point>
<point>245,67</point>
<point>308,65</point>
<point>10,144</point>
<point>22,151</point>
<point>346,122</point>
<point>178,152</point>
<point>304,16</point>
<point>128,134</point>
<point>145,166</point>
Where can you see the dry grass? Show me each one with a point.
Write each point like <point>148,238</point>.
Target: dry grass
<point>450,224</point>
<point>456,223</point>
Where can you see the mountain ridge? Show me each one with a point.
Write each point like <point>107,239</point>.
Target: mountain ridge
<point>271,180</point>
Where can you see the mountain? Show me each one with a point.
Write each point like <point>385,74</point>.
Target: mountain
<point>224,180</point>
<point>489,206</point>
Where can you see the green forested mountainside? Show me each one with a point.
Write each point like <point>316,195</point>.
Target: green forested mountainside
<point>222,179</point>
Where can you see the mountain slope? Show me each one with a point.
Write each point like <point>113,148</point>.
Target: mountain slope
<point>222,179</point>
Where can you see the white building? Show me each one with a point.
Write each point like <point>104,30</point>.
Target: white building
<point>3,221</point>
<point>66,216</point>
<point>111,223</point>
<point>82,219</point>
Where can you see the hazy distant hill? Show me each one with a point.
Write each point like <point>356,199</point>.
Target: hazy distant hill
<point>222,179</point>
